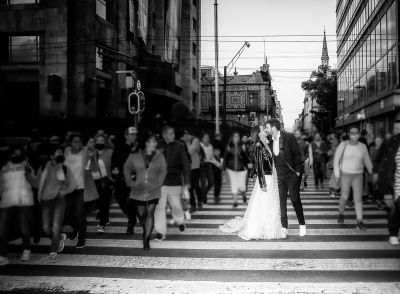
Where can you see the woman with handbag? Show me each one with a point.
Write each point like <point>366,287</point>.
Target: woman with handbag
<point>351,158</point>
<point>99,165</point>
<point>145,172</point>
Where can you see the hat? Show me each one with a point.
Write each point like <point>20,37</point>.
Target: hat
<point>132,130</point>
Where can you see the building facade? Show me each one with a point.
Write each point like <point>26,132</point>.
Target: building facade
<point>249,98</point>
<point>59,58</point>
<point>368,64</point>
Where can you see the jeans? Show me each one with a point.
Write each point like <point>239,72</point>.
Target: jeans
<point>394,218</point>
<point>172,194</point>
<point>348,181</point>
<point>195,191</point>
<point>75,214</point>
<point>122,192</point>
<point>290,183</point>
<point>53,217</point>
<point>7,217</point>
<point>217,182</point>
<point>103,202</point>
<point>206,179</point>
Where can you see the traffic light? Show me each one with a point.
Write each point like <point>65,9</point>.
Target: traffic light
<point>142,101</point>
<point>133,103</point>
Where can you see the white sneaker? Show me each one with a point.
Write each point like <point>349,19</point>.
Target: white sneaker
<point>62,242</point>
<point>26,255</point>
<point>53,257</point>
<point>394,241</point>
<point>4,260</point>
<point>284,230</point>
<point>188,215</point>
<point>302,231</point>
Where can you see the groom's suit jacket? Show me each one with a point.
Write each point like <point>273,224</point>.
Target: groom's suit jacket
<point>289,151</point>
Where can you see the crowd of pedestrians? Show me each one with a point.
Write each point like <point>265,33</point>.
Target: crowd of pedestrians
<point>50,184</point>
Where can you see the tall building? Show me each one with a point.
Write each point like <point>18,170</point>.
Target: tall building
<point>368,64</point>
<point>249,98</point>
<point>59,58</point>
<point>325,55</point>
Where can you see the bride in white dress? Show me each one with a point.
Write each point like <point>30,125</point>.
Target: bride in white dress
<point>262,219</point>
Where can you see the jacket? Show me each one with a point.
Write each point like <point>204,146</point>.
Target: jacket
<point>262,162</point>
<point>385,165</point>
<point>178,168</point>
<point>289,151</point>
<point>235,158</point>
<point>149,180</point>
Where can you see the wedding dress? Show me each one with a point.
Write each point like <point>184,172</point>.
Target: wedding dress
<point>262,219</point>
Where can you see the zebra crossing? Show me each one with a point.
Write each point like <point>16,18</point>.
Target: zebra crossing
<point>332,258</point>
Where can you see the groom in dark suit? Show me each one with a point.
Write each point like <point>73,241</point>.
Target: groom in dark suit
<point>289,167</point>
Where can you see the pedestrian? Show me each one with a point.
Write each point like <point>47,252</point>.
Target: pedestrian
<point>16,201</point>
<point>55,182</point>
<point>75,214</point>
<point>145,173</point>
<point>317,152</point>
<point>178,176</point>
<point>351,157</point>
<point>184,138</point>
<point>122,191</point>
<point>218,151</point>
<point>196,156</point>
<point>303,145</point>
<point>387,179</point>
<point>235,162</point>
<point>206,169</point>
<point>99,164</point>
<point>333,184</point>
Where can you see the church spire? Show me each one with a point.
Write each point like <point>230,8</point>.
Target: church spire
<point>325,56</point>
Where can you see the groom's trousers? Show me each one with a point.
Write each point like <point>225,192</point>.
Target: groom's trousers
<point>290,183</point>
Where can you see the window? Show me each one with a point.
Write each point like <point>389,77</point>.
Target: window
<point>194,49</point>
<point>194,73</point>
<point>12,2</point>
<point>104,9</point>
<point>23,48</point>
<point>194,24</point>
<point>103,62</point>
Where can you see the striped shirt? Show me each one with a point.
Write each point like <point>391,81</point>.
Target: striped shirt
<point>397,175</point>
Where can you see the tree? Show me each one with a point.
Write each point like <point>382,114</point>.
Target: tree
<point>322,87</point>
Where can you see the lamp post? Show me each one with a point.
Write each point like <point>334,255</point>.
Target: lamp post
<point>216,68</point>
<point>230,65</point>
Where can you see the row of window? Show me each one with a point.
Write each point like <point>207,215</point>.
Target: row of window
<point>13,2</point>
<point>344,45</point>
<point>381,78</point>
<point>19,48</point>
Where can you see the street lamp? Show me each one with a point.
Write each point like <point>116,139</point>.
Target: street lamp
<point>230,65</point>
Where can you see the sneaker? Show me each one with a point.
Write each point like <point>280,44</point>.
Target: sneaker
<point>360,226</point>
<point>235,205</point>
<point>284,230</point>
<point>53,257</point>
<point>182,228</point>
<point>340,219</point>
<point>193,209</point>
<point>159,237</point>
<point>101,229</point>
<point>332,194</point>
<point>172,222</point>
<point>394,241</point>
<point>81,243</point>
<point>302,231</point>
<point>62,242</point>
<point>4,260</point>
<point>200,206</point>
<point>73,235</point>
<point>244,197</point>
<point>188,216</point>
<point>26,255</point>
<point>130,230</point>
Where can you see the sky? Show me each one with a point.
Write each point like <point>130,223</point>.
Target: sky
<point>292,32</point>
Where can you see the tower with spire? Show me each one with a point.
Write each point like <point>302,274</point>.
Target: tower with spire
<point>325,56</point>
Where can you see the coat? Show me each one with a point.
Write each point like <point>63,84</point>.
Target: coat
<point>149,180</point>
<point>385,165</point>
<point>262,162</point>
<point>235,160</point>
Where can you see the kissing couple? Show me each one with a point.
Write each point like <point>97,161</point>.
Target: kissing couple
<point>277,163</point>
